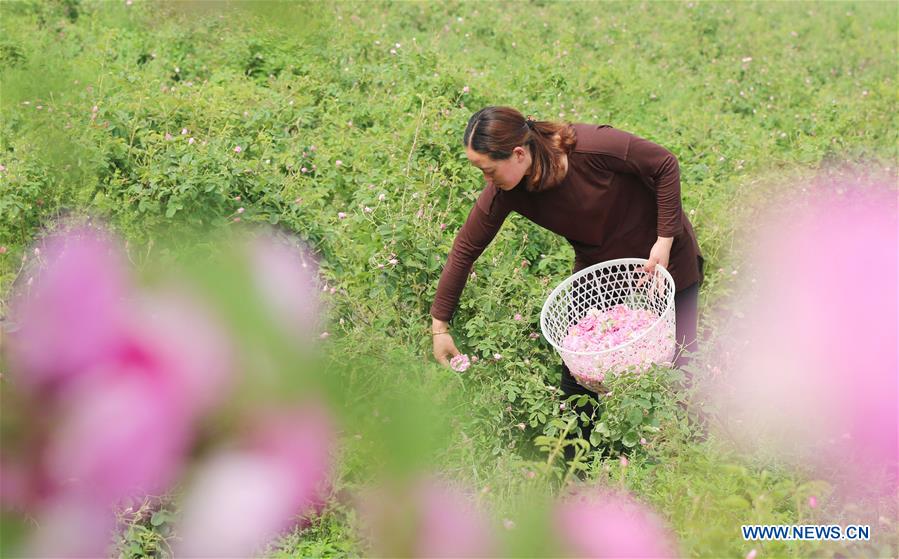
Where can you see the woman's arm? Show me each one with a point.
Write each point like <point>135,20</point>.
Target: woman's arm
<point>659,170</point>
<point>483,223</point>
<point>480,228</point>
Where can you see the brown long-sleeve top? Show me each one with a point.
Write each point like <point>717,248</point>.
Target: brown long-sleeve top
<point>621,193</point>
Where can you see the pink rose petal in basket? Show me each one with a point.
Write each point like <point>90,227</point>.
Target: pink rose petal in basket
<point>603,330</point>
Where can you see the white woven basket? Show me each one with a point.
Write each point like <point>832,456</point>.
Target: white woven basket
<point>602,286</point>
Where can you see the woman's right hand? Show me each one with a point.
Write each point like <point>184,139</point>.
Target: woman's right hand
<point>444,347</point>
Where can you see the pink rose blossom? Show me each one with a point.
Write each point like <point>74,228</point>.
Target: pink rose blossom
<point>69,527</point>
<point>125,375</point>
<point>799,380</point>
<point>606,524</point>
<point>517,316</point>
<point>341,215</point>
<point>189,343</point>
<point>244,497</point>
<point>73,320</point>
<point>125,411</point>
<point>442,521</point>
<point>460,363</point>
<point>122,435</point>
<point>286,275</point>
<point>237,149</point>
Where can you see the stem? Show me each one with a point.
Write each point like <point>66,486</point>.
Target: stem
<point>555,452</point>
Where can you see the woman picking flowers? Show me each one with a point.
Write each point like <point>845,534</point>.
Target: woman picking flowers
<point>611,194</point>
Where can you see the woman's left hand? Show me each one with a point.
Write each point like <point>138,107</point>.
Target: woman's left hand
<point>659,254</point>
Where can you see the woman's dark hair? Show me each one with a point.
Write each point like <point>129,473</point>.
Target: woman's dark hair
<point>496,131</point>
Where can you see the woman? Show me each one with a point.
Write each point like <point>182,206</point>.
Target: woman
<point>609,193</point>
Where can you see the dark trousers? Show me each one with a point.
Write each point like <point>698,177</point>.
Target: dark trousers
<point>686,313</point>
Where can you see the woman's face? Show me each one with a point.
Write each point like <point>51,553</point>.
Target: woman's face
<point>505,174</point>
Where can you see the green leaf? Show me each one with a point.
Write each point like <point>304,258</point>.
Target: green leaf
<point>172,209</point>
<point>160,517</point>
<point>635,417</point>
<point>630,439</point>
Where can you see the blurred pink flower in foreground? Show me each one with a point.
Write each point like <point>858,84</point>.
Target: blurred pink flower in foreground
<point>72,317</point>
<point>120,435</point>
<point>286,276</point>
<point>69,528</point>
<point>120,379</point>
<point>123,377</point>
<point>244,497</point>
<point>429,519</point>
<point>450,524</point>
<point>811,366</point>
<point>602,523</point>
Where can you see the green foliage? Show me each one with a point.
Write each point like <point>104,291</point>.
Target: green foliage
<point>736,91</point>
<point>147,530</point>
<point>638,407</point>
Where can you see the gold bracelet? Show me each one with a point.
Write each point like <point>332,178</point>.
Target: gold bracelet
<point>438,333</point>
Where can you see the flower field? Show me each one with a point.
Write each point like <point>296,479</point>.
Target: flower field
<point>221,230</point>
